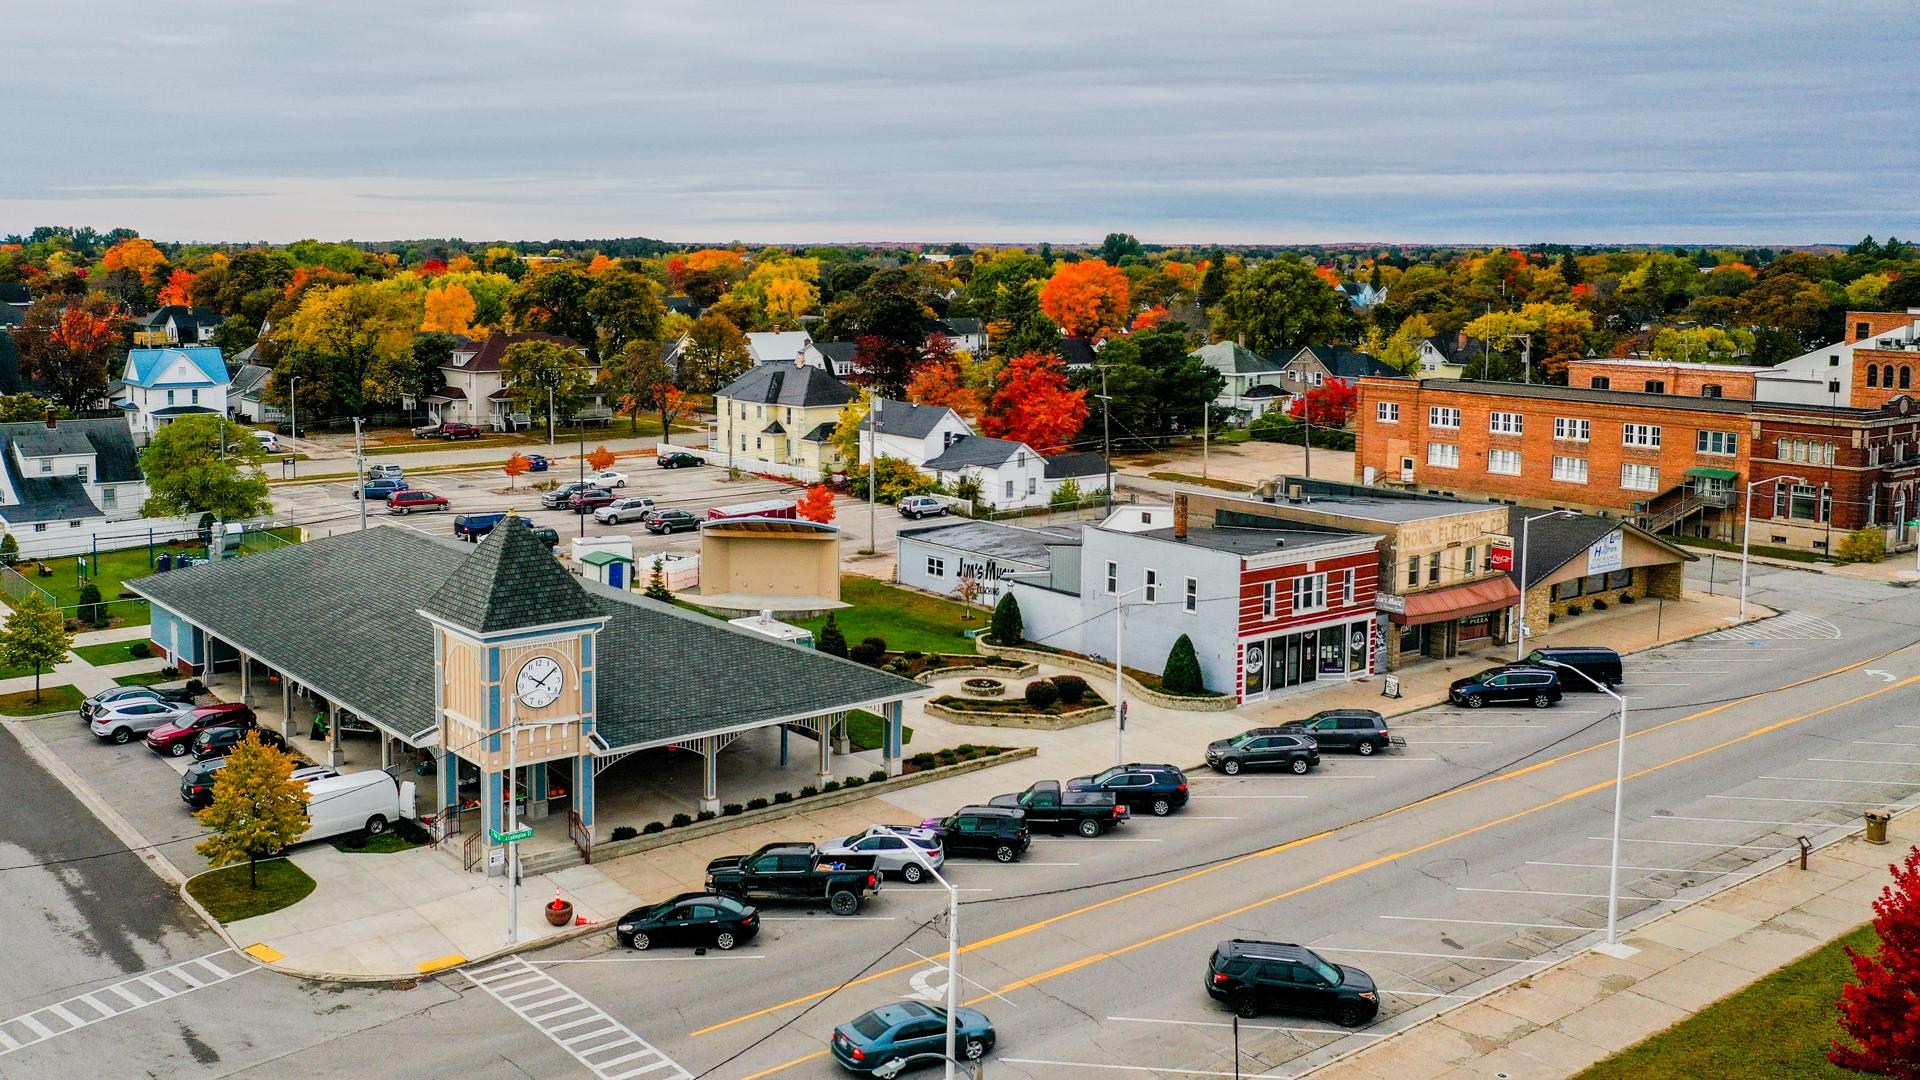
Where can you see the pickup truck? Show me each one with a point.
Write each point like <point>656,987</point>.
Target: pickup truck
<point>796,872</point>
<point>1088,813</point>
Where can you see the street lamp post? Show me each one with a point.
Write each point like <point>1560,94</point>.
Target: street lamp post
<point>1119,680</point>
<point>1520,623</point>
<point>1612,947</point>
<point>953,945</point>
<point>1746,532</point>
<point>293,423</point>
<point>512,787</point>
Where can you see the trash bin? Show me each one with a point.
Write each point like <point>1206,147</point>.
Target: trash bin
<point>1877,826</point>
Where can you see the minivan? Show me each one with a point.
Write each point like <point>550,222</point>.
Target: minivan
<point>1514,684</point>
<point>386,472</point>
<point>1597,662</point>
<point>368,801</point>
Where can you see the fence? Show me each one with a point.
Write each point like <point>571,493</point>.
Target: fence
<point>51,539</point>
<point>18,588</point>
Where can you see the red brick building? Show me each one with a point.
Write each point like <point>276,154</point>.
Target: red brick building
<point>1665,377</point>
<point>1886,355</point>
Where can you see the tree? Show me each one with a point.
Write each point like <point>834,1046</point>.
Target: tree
<point>832,641</point>
<point>516,467</point>
<point>70,348</point>
<point>851,425</point>
<point>1034,405</point>
<point>1086,298</point>
<point>1119,245</point>
<point>415,375</point>
<point>546,375</point>
<point>449,310</point>
<point>657,582</point>
<point>1213,283</point>
<point>9,550</point>
<point>553,300</point>
<point>599,459</point>
<point>884,364</point>
<point>189,474</point>
<point>1700,344</point>
<point>943,385</point>
<point>35,636</point>
<point>624,307</point>
<point>887,305</point>
<point>346,343</point>
<point>715,355</point>
<point>1007,628</point>
<point>1880,1009</point>
<point>137,254</point>
<point>234,335</point>
<point>1281,304</point>
<point>968,590</point>
<point>1328,405</point>
<point>1066,496</point>
<point>1864,545</point>
<point>91,611</point>
<point>816,504</point>
<point>1182,673</point>
<point>27,408</point>
<point>258,807</point>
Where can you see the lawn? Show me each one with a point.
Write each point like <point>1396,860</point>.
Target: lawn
<point>1779,1028</point>
<point>144,678</point>
<point>907,620</point>
<point>113,569</point>
<point>108,653</point>
<point>53,699</point>
<point>227,896</point>
<point>17,672</point>
<point>864,729</point>
<point>404,836</point>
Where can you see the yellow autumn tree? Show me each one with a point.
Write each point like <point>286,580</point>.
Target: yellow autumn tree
<point>449,310</point>
<point>135,253</point>
<point>788,299</point>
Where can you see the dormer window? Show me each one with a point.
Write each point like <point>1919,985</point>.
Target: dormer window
<point>46,466</point>
<point>83,474</point>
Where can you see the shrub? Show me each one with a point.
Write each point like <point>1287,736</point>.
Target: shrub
<point>853,781</point>
<point>809,791</point>
<point>1007,627</point>
<point>91,612</point>
<point>1183,669</point>
<point>1864,545</point>
<point>832,641</point>
<point>781,798</point>
<point>1072,689</point>
<point>1599,603</point>
<point>1041,693</point>
<point>935,660</point>
<point>1067,494</point>
<point>681,821</point>
<point>705,815</point>
<point>9,550</point>
<point>876,776</point>
<point>655,827</point>
<point>140,650</point>
<point>831,785</point>
<point>756,804</point>
<point>1626,598</point>
<point>899,665</point>
<point>921,761</point>
<point>913,654</point>
<point>1574,609</point>
<point>877,644</point>
<point>865,654</point>
<point>626,832</point>
<point>196,688</point>
<point>733,809</point>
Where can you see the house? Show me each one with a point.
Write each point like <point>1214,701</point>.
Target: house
<point>15,294</point>
<point>943,558</point>
<point>915,434</point>
<point>1078,352</point>
<point>246,398</point>
<point>64,481</point>
<point>1268,605</point>
<point>1447,357</point>
<point>683,305</point>
<point>1253,383</point>
<point>835,356</point>
<point>969,335</point>
<point>779,419</point>
<point>1361,295</point>
<point>1011,475</point>
<point>473,391</point>
<point>177,324</point>
<point>1314,366</point>
<point>157,386</point>
<point>783,347</point>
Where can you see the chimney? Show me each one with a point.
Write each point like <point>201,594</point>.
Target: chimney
<point>50,420</point>
<point>1294,494</point>
<point>1180,517</point>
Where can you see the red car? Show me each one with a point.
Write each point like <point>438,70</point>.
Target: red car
<point>176,739</point>
<point>459,431</point>
<point>406,502</point>
<point>586,502</point>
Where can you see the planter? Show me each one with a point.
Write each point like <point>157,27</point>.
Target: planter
<point>559,913</point>
<point>1223,703</point>
<point>983,687</point>
<point>1029,721</point>
<point>1018,670</point>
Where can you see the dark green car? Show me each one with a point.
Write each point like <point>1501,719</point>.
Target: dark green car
<point>875,1040</point>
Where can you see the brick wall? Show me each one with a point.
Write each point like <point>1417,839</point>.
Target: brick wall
<point>1880,375</point>
<point>1681,380</point>
<point>1253,621</point>
<point>1877,322</point>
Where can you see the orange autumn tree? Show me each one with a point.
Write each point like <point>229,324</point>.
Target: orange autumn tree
<point>943,385</point>
<point>600,265</point>
<point>449,310</point>
<point>1033,404</point>
<point>816,504</point>
<point>1149,318</point>
<point>137,254</point>
<point>178,288</point>
<point>516,467</point>
<point>600,458</point>
<point>1086,297</point>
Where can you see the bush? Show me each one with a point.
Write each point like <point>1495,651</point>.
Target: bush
<point>897,480</point>
<point>831,785</point>
<point>832,641</point>
<point>853,781</point>
<point>733,809</point>
<point>655,827</point>
<point>1864,545</point>
<point>705,815</point>
<point>1041,693</point>
<point>9,550</point>
<point>681,821</point>
<point>1626,598</point>
<point>1072,690</point>
<point>781,798</point>
<point>1183,669</point>
<point>899,665</point>
<point>864,654</point>
<point>935,660</point>
<point>1279,427</point>
<point>1599,603</point>
<point>140,650</point>
<point>626,832</point>
<point>913,654</point>
<point>877,644</point>
<point>1574,609</point>
<point>756,804</point>
<point>921,761</point>
<point>1007,627</point>
<point>196,688</point>
<point>876,776</point>
<point>809,791</point>
<point>91,612</point>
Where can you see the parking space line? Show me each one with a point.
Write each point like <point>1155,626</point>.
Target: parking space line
<point>1696,843</point>
<point>1449,742</point>
<point>941,965</point>
<point>1777,798</point>
<point>1335,1032</point>
<point>647,959</point>
<point>1441,956</point>
<point>1831,780</point>
<point>1202,817</point>
<point>1099,839</point>
<point>1580,895</point>
<point>1650,869</point>
<point>1877,742</point>
<point>1488,922</point>
<point>1865,761</point>
<point>929,888</point>
<point>1120,1068</point>
<point>1023,862</point>
<point>830,919</point>
<point>1191,798</point>
<point>1428,993</point>
<point>1749,821</point>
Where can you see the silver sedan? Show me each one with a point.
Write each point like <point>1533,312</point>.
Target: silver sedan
<point>905,856</point>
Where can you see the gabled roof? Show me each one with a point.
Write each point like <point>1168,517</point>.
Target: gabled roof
<point>1064,466</point>
<point>1455,350</point>
<point>510,582</point>
<point>1078,352</point>
<point>779,347</point>
<point>1344,363</point>
<point>962,327</point>
<point>821,433</point>
<point>249,379</point>
<point>976,450</point>
<point>1552,542</point>
<point>683,305</point>
<point>11,315</point>
<point>840,352</point>
<point>1233,358</point>
<point>181,315</point>
<point>147,365</point>
<point>494,349</point>
<point>908,420</point>
<point>110,441</point>
<point>15,292</point>
<point>773,429</point>
<point>796,385</point>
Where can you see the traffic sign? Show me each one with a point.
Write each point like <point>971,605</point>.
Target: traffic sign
<point>509,837</point>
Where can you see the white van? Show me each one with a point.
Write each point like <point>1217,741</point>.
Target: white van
<point>370,800</point>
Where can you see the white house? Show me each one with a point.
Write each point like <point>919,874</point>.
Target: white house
<point>158,386</point>
<point>65,483</point>
<point>913,433</point>
<point>1011,475</point>
<point>783,347</point>
<point>246,396</point>
<point>834,356</point>
<point>1253,382</point>
<point>474,392</point>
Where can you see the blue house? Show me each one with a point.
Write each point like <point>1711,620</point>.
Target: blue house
<point>162,385</point>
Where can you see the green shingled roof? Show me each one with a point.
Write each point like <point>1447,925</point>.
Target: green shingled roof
<point>510,582</point>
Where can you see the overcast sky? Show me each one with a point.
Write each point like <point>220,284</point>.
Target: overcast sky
<point>1689,121</point>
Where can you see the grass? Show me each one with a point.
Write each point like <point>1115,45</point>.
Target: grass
<point>145,678</point>
<point>19,672</point>
<point>622,427</point>
<point>53,699</point>
<point>227,896</point>
<point>864,730</point>
<point>1779,1028</point>
<point>1789,554</point>
<point>110,572</point>
<point>404,836</point>
<point>112,652</point>
<point>1203,481</point>
<point>907,620</point>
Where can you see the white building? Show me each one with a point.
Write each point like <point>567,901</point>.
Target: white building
<point>1253,383</point>
<point>942,558</point>
<point>916,434</point>
<point>783,347</point>
<point>158,386</point>
<point>65,483</point>
<point>1011,475</point>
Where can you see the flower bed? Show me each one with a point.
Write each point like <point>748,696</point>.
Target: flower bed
<point>983,688</point>
<point>1137,681</point>
<point>912,664</point>
<point>1018,712</point>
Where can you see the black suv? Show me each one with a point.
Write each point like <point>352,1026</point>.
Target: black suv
<point>1264,748</point>
<point>999,831</point>
<point>1362,731</point>
<point>1158,789</point>
<point>1599,663</point>
<point>1517,684</point>
<point>1269,976</point>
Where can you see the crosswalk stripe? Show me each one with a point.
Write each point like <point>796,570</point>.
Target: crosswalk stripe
<point>543,1001</point>
<point>36,1026</point>
<point>7,1043</point>
<point>96,1005</point>
<point>62,1012</point>
<point>71,1020</point>
<point>133,1000</point>
<point>661,1064</point>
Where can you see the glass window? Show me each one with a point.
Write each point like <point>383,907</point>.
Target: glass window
<point>1593,583</point>
<point>1646,435</point>
<point>1572,428</point>
<point>1571,470</point>
<point>1639,477</point>
<point>1387,412</point>
<point>1310,592</point>
<point>1113,578</point>
<point>1601,382</point>
<point>1413,571</point>
<point>1193,595</point>
<point>1567,590</point>
<point>1433,569</point>
<point>1656,386</point>
<point>1439,416</point>
<point>1150,590</point>
<point>1620,579</point>
<point>1266,599</point>
<point>936,567</point>
<point>1504,462</point>
<point>1716,442</point>
<point>1444,455</point>
<point>1801,503</point>
<point>1505,423</point>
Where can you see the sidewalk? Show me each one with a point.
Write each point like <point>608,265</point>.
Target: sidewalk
<point>86,677</point>
<point>1559,1021</point>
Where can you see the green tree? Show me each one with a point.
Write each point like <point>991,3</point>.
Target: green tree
<point>1066,495</point>
<point>1182,673</point>
<point>546,376</point>
<point>636,378</point>
<point>258,807</point>
<point>189,474</point>
<point>1864,545</point>
<point>338,341</point>
<point>657,583</point>
<point>26,408</point>
<point>1281,304</point>
<point>35,636</point>
<point>554,301</point>
<point>715,355</point>
<point>887,305</point>
<point>832,641</point>
<point>416,373</point>
<point>1120,245</point>
<point>625,307</point>
<point>91,612</point>
<point>9,550</point>
<point>1007,628</point>
<point>234,335</point>
<point>1213,283</point>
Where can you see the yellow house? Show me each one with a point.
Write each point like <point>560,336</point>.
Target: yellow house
<point>778,418</point>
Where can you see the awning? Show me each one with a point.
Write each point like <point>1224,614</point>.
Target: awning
<point>1713,474</point>
<point>1458,601</point>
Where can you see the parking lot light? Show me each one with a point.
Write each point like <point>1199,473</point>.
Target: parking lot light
<point>1612,946</point>
<point>953,942</point>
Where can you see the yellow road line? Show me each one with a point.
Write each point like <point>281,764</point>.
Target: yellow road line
<point>815,1056</point>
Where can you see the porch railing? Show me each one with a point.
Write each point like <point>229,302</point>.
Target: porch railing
<point>470,851</point>
<point>580,834</point>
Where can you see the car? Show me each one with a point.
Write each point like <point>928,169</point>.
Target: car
<point>796,872</point>
<point>128,693</point>
<point>663,522</point>
<point>1254,977</point>
<point>1513,684</point>
<point>1600,664</point>
<point>1362,731</point>
<point>678,459</point>
<point>905,855</point>
<point>876,1040</point>
<point>562,495</point>
<point>406,502</point>
<point>459,431</point>
<point>998,831</point>
<point>217,742</point>
<point>474,527</point>
<point>919,506</point>
<point>176,737</point>
<point>381,489</point>
<point>588,500</point>
<point>196,784</point>
<point>1264,748</point>
<point>538,463</point>
<point>268,441</point>
<point>633,508</point>
<point>119,721</point>
<point>380,471</point>
<point>1160,789</point>
<point>695,918</point>
<point>607,478</point>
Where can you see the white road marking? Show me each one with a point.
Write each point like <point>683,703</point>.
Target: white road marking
<point>929,888</point>
<point>1831,780</point>
<point>1747,821</point>
<point>52,1021</point>
<point>1134,1068</point>
<point>1776,798</point>
<point>1878,742</point>
<point>649,959</point>
<point>1427,993</point>
<point>941,965</point>
<point>1695,843</point>
<point>829,918</point>
<point>1440,956</point>
<point>624,1055</point>
<point>1580,895</point>
<point>1100,839</point>
<point>1022,862</point>
<point>1449,742</point>
<point>1335,1032</point>
<point>1250,797</point>
<point>1488,922</point>
<point>1199,817</point>
<point>1866,761</point>
<point>1652,869</point>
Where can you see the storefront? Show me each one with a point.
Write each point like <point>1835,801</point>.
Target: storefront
<point>1336,651</point>
<point>1442,623</point>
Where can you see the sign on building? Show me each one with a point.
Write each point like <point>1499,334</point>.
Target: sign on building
<point>1607,553</point>
<point>1501,557</point>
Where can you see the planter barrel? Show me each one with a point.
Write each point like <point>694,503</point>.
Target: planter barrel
<point>559,913</point>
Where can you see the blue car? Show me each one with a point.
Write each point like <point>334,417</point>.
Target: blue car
<point>380,489</point>
<point>906,1029</point>
<point>538,463</point>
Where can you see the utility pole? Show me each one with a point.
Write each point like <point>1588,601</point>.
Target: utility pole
<point>873,477</point>
<point>1526,356</point>
<point>360,472</point>
<point>293,423</point>
<point>1206,435</point>
<point>1106,432</point>
<point>582,515</point>
<point>1306,440</point>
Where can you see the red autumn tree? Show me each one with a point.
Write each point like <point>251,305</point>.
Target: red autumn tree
<point>135,253</point>
<point>68,348</point>
<point>816,504</point>
<point>1880,1009</point>
<point>1086,297</point>
<point>884,364</point>
<point>943,385</point>
<point>1150,318</point>
<point>179,284</point>
<point>1033,404</point>
<point>1330,405</point>
<point>599,458</point>
<point>516,467</point>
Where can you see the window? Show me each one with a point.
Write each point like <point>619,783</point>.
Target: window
<point>1505,423</point>
<point>39,526</point>
<point>1387,412</point>
<point>1833,386</point>
<point>1647,435</point>
<point>194,397</point>
<point>1873,375</point>
<point>1033,484</point>
<point>1710,390</point>
<point>1310,592</point>
<point>83,474</point>
<point>936,566</point>
<point>1886,376</point>
<point>1316,378</point>
<point>1861,330</point>
<point>1113,578</point>
<point>757,441</point>
<point>1570,470</point>
<point>73,524</point>
<point>169,397</point>
<point>1439,416</point>
<point>1656,386</point>
<point>1266,599</point>
<point>1572,429</point>
<point>109,497</point>
<point>1601,382</point>
<point>1833,359</point>
<point>1906,377</point>
<point>1192,603</point>
<point>1350,585</point>
<point>1009,489</point>
<point>1716,442</point>
<point>1801,503</point>
<point>1413,571</point>
<point>1150,586</point>
<point>1639,477</point>
<point>45,465</point>
<point>1504,462</point>
<point>1445,455</point>
<point>1620,579</point>
<point>1470,560</point>
<point>1433,569</point>
<point>1567,590</point>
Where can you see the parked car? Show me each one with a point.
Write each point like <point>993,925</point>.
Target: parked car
<point>369,802</point>
<point>1264,748</point>
<point>588,500</point>
<point>999,831</point>
<point>474,527</point>
<point>217,742</point>
<point>268,441</point>
<point>689,919</point>
<point>382,488</point>
<point>175,738</point>
<point>119,721</point>
<point>678,459</point>
<point>796,872</point>
<point>196,784</point>
<point>904,856</point>
<point>560,496</point>
<point>1598,663</point>
<point>663,522</point>
<point>894,1033</point>
<point>1508,684</point>
<point>1160,789</point>
<point>919,506</point>
<point>633,508</point>
<point>1253,977</point>
<point>385,471</point>
<point>459,431</point>
<point>538,463</point>
<point>1048,806</point>
<point>1362,731</point>
<point>406,502</point>
<point>607,478</point>
<point>128,693</point>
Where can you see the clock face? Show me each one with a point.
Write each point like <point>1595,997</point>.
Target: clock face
<point>540,682</point>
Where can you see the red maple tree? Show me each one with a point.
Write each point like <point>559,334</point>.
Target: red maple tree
<point>176,291</point>
<point>1033,404</point>
<point>1086,297</point>
<point>599,458</point>
<point>816,504</point>
<point>516,467</point>
<point>941,384</point>
<point>1880,1009</point>
<point>1330,405</point>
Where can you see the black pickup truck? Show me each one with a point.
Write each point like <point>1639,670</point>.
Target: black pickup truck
<point>796,872</point>
<point>1088,813</point>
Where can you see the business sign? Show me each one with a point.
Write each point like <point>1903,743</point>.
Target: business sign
<point>1256,669</point>
<point>1607,552</point>
<point>1389,603</point>
<point>1501,556</point>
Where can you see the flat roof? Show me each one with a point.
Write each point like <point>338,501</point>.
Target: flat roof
<point>1254,541</point>
<point>995,540</point>
<point>1372,508</point>
<point>1732,406</point>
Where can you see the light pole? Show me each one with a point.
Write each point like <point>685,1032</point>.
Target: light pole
<point>1119,680</point>
<point>873,476</point>
<point>1520,622</point>
<point>293,422</point>
<point>953,944</point>
<point>1612,947</point>
<point>512,787</point>
<point>360,472</point>
<point>1746,532</point>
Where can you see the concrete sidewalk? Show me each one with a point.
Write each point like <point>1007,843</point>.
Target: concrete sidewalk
<point>1557,1022</point>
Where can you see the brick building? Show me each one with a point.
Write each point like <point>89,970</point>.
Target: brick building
<point>1886,355</point>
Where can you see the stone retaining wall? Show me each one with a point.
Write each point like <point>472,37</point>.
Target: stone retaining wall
<point>1032,721</point>
<point>1224,703</point>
